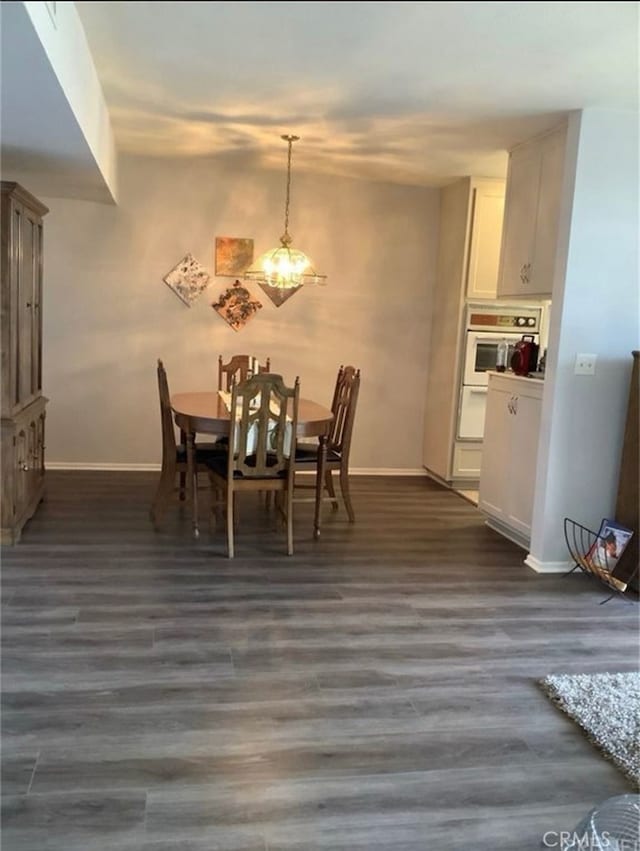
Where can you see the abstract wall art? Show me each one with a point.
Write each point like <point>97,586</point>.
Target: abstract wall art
<point>234,255</point>
<point>188,279</point>
<point>237,306</point>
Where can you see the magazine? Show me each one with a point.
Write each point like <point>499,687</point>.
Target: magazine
<point>606,550</point>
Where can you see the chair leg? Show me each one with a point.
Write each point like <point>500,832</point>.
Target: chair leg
<point>289,504</point>
<point>217,498</point>
<point>320,480</point>
<point>328,483</point>
<point>280,507</point>
<point>163,495</point>
<point>183,476</point>
<point>230,501</point>
<point>344,487</point>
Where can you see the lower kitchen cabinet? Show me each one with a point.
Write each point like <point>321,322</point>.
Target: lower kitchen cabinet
<point>508,477</point>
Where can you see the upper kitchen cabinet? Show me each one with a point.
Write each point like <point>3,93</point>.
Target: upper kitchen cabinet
<point>485,231</point>
<point>531,217</point>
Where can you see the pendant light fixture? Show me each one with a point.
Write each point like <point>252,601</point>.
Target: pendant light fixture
<point>285,267</point>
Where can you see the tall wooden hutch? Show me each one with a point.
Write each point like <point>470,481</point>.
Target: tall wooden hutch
<point>22,405</point>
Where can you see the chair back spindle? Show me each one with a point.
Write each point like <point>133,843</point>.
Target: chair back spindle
<point>166,417</point>
<point>345,399</point>
<point>262,444</point>
<point>237,369</point>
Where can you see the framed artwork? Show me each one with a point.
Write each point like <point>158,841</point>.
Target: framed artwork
<point>236,306</point>
<point>279,295</point>
<point>188,279</point>
<point>234,255</point>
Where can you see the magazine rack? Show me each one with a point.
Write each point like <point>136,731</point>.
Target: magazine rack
<point>582,542</point>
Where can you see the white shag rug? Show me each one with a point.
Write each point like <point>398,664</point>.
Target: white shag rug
<point>607,707</point>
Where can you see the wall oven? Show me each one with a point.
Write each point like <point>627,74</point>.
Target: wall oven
<point>481,354</point>
<point>486,327</point>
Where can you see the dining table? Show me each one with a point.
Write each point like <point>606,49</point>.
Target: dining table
<point>206,412</point>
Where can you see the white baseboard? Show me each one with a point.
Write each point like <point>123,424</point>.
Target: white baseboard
<point>100,465</point>
<point>119,468</point>
<point>507,532</point>
<point>388,471</point>
<point>547,566</point>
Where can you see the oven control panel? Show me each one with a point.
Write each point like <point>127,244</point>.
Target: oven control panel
<point>485,321</point>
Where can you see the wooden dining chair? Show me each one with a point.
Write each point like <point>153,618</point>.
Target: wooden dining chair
<point>262,446</point>
<point>343,407</point>
<point>174,455</point>
<point>237,370</point>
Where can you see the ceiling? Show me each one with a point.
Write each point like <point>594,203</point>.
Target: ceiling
<point>43,146</point>
<point>410,92</point>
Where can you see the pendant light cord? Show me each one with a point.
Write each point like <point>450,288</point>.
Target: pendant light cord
<point>285,239</point>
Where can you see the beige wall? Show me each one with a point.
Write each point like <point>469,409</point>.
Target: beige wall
<point>108,315</point>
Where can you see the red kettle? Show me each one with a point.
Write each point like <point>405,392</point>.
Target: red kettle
<point>525,355</point>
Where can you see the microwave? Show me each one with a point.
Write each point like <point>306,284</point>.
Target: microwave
<point>481,354</point>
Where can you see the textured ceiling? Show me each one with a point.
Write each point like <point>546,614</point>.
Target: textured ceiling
<point>400,91</point>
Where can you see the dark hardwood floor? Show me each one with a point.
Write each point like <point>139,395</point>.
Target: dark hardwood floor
<point>375,691</point>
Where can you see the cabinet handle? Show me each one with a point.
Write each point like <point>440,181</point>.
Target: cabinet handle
<point>29,304</point>
<point>515,405</point>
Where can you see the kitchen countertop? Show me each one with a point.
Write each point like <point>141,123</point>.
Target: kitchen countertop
<point>512,375</point>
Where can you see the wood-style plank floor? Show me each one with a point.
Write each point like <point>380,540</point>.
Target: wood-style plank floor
<point>375,691</point>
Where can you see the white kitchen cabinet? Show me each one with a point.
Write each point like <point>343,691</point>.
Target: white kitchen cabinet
<point>507,479</point>
<point>468,255</point>
<point>531,217</point>
<point>485,235</point>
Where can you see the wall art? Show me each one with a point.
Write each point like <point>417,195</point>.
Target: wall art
<point>279,295</point>
<point>188,279</point>
<point>234,255</point>
<point>236,306</point>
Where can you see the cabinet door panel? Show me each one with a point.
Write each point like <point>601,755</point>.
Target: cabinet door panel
<point>526,428</point>
<point>40,446</point>
<point>486,235</point>
<point>14,356</point>
<point>519,218</point>
<point>547,216</point>
<point>21,479</point>
<point>26,285</point>
<point>496,452</point>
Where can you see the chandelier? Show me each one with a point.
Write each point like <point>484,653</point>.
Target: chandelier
<point>285,267</point>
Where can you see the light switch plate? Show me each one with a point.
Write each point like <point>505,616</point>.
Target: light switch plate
<point>585,364</point>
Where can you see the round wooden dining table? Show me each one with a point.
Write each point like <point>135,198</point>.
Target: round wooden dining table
<point>207,413</point>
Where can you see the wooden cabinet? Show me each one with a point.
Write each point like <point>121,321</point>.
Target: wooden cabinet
<point>507,482</point>
<point>468,255</point>
<point>628,501</point>
<point>532,217</point>
<point>21,400</point>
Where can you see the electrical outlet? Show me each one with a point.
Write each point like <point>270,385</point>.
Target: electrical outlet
<point>585,364</point>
